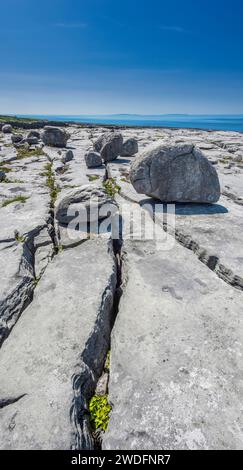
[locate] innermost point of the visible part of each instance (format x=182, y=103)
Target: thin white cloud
x=71, y=25
x=175, y=29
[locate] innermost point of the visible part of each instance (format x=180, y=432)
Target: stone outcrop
x=175, y=173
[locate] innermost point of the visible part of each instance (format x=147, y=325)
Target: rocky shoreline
x=171, y=318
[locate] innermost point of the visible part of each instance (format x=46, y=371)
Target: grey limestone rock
x=129, y=148
x=175, y=173
x=54, y=137
x=93, y=159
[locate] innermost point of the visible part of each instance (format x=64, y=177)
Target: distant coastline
x=187, y=121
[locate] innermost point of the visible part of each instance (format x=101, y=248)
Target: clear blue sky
x=121, y=56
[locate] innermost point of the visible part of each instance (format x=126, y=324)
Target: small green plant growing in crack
x=58, y=249
x=100, y=409
x=36, y=280
x=93, y=177
x=111, y=187
x=21, y=199
x=19, y=238
x=50, y=183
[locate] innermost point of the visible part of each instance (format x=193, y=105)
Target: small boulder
x=33, y=134
x=16, y=138
x=93, y=159
x=129, y=148
x=82, y=203
x=175, y=173
x=32, y=140
x=109, y=145
x=2, y=175
x=54, y=137
x=67, y=157
x=7, y=129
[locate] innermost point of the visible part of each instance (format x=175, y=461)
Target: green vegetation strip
x=111, y=187
x=21, y=199
x=51, y=183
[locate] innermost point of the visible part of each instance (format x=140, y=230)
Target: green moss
x=19, y=238
x=92, y=177
x=21, y=199
x=9, y=119
x=111, y=187
x=50, y=183
x=99, y=409
x=107, y=362
x=25, y=153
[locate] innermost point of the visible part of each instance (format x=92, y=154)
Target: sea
x=210, y=122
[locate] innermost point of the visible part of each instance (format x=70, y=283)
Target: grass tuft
x=21, y=199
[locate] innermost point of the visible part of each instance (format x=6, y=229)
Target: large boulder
x=82, y=202
x=7, y=129
x=175, y=173
x=129, y=148
x=54, y=137
x=93, y=159
x=109, y=145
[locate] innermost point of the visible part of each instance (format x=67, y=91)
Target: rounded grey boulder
x=129, y=148
x=54, y=137
x=82, y=203
x=175, y=173
x=7, y=129
x=16, y=138
x=109, y=145
x=93, y=159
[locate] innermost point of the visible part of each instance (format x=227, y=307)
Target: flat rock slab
x=176, y=355
x=214, y=231
x=56, y=340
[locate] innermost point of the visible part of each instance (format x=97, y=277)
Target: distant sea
x=214, y=122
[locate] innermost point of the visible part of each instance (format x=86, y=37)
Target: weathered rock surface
x=59, y=346
x=129, y=148
x=54, y=136
x=93, y=159
x=175, y=173
x=109, y=145
x=176, y=355
x=82, y=203
x=33, y=133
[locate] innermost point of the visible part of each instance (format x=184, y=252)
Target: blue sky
x=121, y=56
